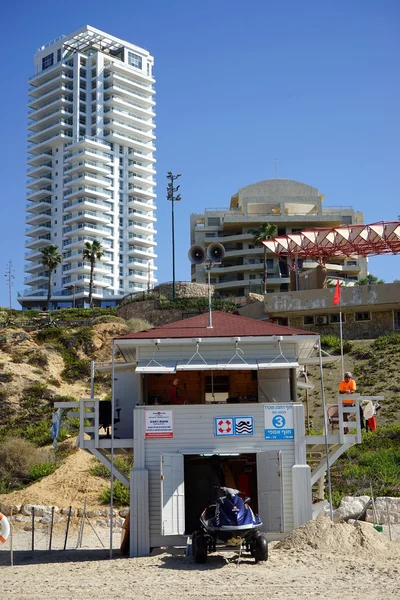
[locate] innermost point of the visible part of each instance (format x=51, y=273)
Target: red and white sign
x=159, y=424
x=223, y=426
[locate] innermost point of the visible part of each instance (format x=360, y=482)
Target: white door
x=270, y=499
x=172, y=495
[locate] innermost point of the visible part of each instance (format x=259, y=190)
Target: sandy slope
x=297, y=570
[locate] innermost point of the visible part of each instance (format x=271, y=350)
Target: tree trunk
x=91, y=283
x=265, y=270
x=49, y=289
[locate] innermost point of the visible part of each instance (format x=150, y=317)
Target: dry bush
x=17, y=456
x=137, y=325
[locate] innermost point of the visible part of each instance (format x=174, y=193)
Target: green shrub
x=50, y=334
x=332, y=343
x=135, y=325
x=75, y=367
x=385, y=342
x=41, y=470
x=108, y=319
x=122, y=464
x=39, y=433
x=53, y=381
x=6, y=377
x=121, y=496
x=38, y=359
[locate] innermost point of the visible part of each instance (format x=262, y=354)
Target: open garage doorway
x=204, y=473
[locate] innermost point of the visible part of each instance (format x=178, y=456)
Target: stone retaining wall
x=42, y=514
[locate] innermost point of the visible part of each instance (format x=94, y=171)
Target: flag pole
x=341, y=334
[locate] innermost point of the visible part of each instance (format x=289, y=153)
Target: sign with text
x=278, y=422
x=159, y=424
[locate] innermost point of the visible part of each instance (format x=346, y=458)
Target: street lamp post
x=172, y=198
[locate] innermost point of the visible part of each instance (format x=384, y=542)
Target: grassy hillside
x=42, y=362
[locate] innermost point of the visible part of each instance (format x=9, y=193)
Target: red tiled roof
x=224, y=325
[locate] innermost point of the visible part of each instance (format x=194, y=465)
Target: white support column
x=139, y=490
x=139, y=513
x=302, y=499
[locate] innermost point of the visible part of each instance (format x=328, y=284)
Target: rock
x=382, y=506
x=22, y=519
x=65, y=511
x=350, y=508
x=7, y=508
x=117, y=522
x=92, y=514
x=46, y=520
x=40, y=510
x=124, y=513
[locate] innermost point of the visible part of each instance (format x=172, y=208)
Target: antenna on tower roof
x=276, y=168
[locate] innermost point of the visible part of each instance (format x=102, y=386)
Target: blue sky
x=313, y=84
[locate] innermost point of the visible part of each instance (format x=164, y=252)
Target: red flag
x=336, y=296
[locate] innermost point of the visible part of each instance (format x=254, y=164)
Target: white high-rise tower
x=91, y=169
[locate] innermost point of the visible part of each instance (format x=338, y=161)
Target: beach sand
x=303, y=567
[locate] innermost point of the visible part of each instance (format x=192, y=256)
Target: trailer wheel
x=199, y=548
x=260, y=551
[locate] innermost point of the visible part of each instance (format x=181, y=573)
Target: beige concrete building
x=291, y=206
x=368, y=311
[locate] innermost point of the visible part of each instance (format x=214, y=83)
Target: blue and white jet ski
x=230, y=519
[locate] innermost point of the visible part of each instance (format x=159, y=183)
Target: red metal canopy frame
x=347, y=240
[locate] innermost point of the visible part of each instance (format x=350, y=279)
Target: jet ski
x=230, y=521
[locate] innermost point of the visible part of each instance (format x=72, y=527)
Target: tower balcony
x=39, y=205
x=52, y=95
x=39, y=242
x=141, y=240
x=37, y=218
x=39, y=194
x=125, y=103
x=143, y=138
x=63, y=101
x=39, y=278
x=95, y=230
x=137, y=178
x=83, y=203
x=37, y=137
x=39, y=182
x=41, y=158
x=40, y=170
x=87, y=152
x=85, y=164
x=89, y=216
x=86, y=177
x=90, y=190
x=51, y=139
x=141, y=251
x=49, y=118
x=141, y=204
x=114, y=88
x=38, y=230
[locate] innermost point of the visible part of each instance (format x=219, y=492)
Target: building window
x=362, y=316
x=270, y=263
x=210, y=235
x=308, y=320
x=47, y=61
x=347, y=220
x=134, y=60
x=214, y=221
x=336, y=318
x=59, y=51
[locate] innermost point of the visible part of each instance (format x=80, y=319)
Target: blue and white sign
x=224, y=426
x=278, y=422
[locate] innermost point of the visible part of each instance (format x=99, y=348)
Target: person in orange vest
x=347, y=386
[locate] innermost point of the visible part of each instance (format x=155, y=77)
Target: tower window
x=134, y=60
x=47, y=61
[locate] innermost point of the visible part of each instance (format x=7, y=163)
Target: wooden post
x=51, y=527
x=67, y=528
x=33, y=530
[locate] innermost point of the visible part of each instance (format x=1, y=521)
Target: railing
x=89, y=188
x=129, y=114
x=88, y=151
x=98, y=228
x=88, y=213
x=62, y=133
x=124, y=88
x=87, y=138
x=91, y=175
x=89, y=163
x=106, y=205
x=112, y=97
x=39, y=167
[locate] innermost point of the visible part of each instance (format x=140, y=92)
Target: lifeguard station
x=241, y=421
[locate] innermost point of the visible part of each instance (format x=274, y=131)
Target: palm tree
x=265, y=231
x=91, y=253
x=50, y=259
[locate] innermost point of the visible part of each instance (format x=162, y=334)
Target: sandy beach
x=332, y=562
